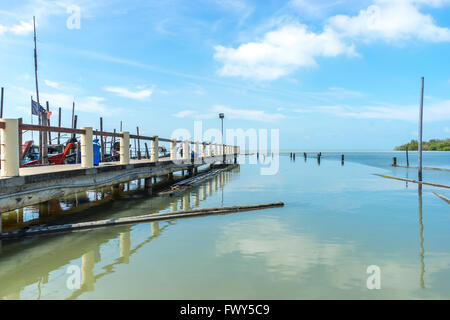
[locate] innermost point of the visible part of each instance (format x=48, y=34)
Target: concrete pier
x=29, y=185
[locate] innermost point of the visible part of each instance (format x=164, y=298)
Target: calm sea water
x=337, y=221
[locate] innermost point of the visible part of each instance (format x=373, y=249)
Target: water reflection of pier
x=31, y=262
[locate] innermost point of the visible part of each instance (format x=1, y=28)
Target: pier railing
x=11, y=146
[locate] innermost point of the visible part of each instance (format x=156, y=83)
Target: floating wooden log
x=413, y=181
x=138, y=219
x=425, y=168
x=442, y=197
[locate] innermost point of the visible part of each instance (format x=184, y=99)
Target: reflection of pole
x=204, y=192
x=125, y=245
x=420, y=130
x=422, y=250
x=173, y=206
x=155, y=229
x=87, y=271
x=186, y=201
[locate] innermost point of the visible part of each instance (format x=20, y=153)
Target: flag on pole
x=35, y=109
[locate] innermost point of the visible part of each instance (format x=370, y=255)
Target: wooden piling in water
x=407, y=158
x=394, y=161
x=342, y=159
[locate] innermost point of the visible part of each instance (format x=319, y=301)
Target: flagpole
x=43, y=151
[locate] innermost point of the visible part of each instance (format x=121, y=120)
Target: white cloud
x=52, y=84
x=90, y=104
x=185, y=113
x=390, y=20
x=23, y=28
x=292, y=45
x=435, y=111
x=230, y=113
x=280, y=52
x=3, y=29
x=126, y=93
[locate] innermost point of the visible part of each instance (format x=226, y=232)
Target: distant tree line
x=432, y=145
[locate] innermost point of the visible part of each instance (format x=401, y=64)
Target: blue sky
x=329, y=74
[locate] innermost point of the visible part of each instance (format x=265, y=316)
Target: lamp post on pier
x=221, y=116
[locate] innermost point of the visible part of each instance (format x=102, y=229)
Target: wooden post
x=102, y=145
x=74, y=121
x=342, y=159
x=147, y=154
x=420, y=130
x=78, y=153
x=1, y=104
x=45, y=141
x=394, y=161
x=139, y=144
x=113, y=143
x=407, y=158
x=48, y=123
x=59, y=125
x=21, y=156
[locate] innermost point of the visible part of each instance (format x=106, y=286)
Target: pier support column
x=203, y=150
x=173, y=150
x=9, y=145
x=196, y=152
x=154, y=149
x=125, y=148
x=148, y=186
x=87, y=148
x=186, y=153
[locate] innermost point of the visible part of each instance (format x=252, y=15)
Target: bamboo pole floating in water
x=442, y=197
x=138, y=219
x=424, y=168
x=413, y=181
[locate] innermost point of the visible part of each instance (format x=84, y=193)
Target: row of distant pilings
x=318, y=156
x=305, y=156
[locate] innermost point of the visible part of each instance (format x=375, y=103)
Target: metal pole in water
x=420, y=130
x=407, y=158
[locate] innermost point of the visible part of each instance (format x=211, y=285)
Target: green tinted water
x=337, y=221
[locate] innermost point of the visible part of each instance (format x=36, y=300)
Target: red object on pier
x=54, y=159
